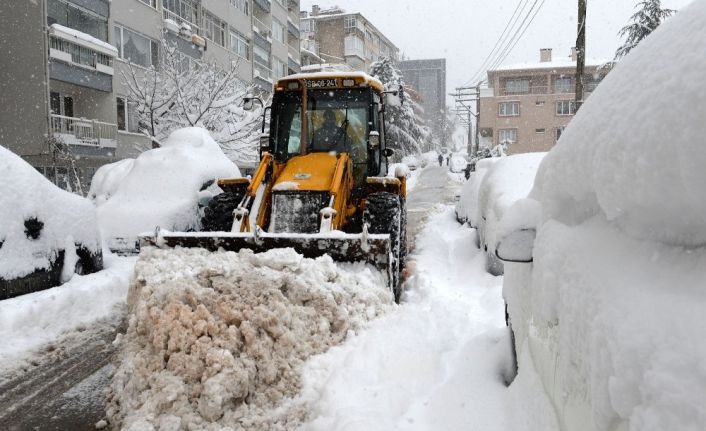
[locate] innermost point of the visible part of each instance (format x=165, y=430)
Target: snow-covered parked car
x=164, y=187
x=457, y=163
x=412, y=162
x=46, y=234
x=506, y=181
x=611, y=313
x=467, y=206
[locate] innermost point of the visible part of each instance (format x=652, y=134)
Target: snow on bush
x=26, y=194
x=613, y=308
x=217, y=340
x=161, y=186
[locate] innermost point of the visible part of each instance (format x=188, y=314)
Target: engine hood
x=312, y=172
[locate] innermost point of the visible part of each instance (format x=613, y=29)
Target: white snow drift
x=216, y=340
x=613, y=310
x=25, y=194
x=161, y=187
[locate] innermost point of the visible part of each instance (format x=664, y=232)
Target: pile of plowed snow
x=216, y=341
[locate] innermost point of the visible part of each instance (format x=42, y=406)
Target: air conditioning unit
x=198, y=40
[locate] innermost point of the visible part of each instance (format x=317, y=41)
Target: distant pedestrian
x=448, y=159
x=441, y=160
x=467, y=171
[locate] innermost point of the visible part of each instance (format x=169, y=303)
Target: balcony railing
x=82, y=131
x=264, y=5
x=263, y=72
x=79, y=54
x=167, y=14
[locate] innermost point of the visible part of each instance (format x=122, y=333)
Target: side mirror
x=264, y=143
x=388, y=152
x=517, y=246
x=373, y=141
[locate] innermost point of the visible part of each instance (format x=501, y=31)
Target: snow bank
x=29, y=321
x=26, y=194
x=434, y=363
x=644, y=166
x=216, y=340
x=161, y=187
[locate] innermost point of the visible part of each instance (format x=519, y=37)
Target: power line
x=518, y=35
x=511, y=22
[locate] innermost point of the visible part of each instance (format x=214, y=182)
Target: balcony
x=535, y=89
x=80, y=59
x=82, y=131
x=265, y=5
x=292, y=29
x=182, y=22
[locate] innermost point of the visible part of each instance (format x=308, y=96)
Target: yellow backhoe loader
x=322, y=185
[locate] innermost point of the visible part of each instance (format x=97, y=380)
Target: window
x=78, y=18
x=354, y=46
x=539, y=103
x=135, y=48
x=214, y=29
x=507, y=136
x=540, y=131
x=279, y=68
x=559, y=131
x=519, y=85
x=239, y=44
x=277, y=30
x=563, y=84
x=565, y=107
x=308, y=26
x=127, y=115
x=351, y=24
x=241, y=5
x=183, y=9
x=509, y=109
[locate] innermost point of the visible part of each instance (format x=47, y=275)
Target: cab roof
x=361, y=79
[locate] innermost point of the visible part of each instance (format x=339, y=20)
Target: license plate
x=321, y=83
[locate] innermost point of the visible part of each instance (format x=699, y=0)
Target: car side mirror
x=388, y=152
x=373, y=141
x=517, y=246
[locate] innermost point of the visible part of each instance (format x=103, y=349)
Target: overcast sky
x=465, y=31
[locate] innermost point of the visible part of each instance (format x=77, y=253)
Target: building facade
x=64, y=102
x=334, y=36
x=428, y=78
x=528, y=106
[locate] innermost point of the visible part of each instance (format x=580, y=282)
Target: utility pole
x=580, y=52
x=464, y=96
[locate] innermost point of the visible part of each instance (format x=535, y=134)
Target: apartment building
x=334, y=36
x=528, y=106
x=62, y=65
x=428, y=78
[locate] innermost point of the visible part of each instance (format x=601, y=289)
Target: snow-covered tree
x=648, y=17
x=406, y=131
x=183, y=92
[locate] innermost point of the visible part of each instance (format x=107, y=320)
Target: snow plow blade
x=350, y=248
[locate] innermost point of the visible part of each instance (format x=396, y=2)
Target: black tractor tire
x=218, y=215
x=383, y=215
x=88, y=261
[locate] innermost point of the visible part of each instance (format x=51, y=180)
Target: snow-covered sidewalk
x=438, y=361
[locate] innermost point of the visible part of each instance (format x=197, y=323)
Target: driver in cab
x=330, y=137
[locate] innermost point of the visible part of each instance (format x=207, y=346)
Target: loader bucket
x=366, y=248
